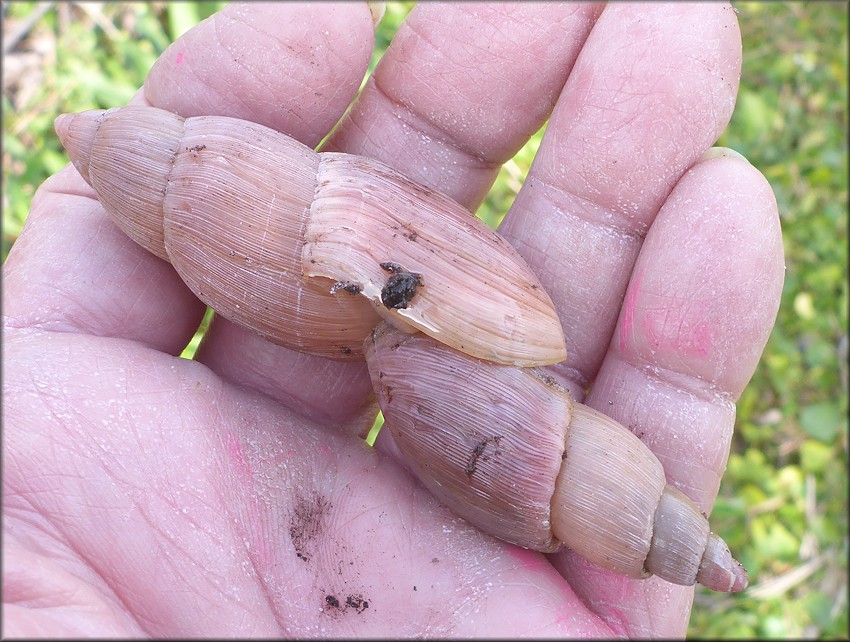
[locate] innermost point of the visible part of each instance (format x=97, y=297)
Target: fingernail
x=377, y=9
x=718, y=152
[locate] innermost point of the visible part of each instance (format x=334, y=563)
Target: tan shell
x=180, y=187
x=522, y=461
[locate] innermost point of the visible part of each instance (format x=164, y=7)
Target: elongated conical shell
x=127, y=159
x=509, y=450
x=306, y=249
x=234, y=217
x=679, y=537
x=226, y=202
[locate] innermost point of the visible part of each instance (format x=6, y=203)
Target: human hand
x=256, y=508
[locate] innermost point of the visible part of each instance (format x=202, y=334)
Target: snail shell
x=523, y=461
x=323, y=242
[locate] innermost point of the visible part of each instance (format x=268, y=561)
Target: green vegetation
x=783, y=503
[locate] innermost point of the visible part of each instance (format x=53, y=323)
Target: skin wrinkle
x=575, y=339
x=248, y=105
x=624, y=229
x=465, y=62
x=690, y=489
x=329, y=51
x=497, y=21
x=313, y=119
x=275, y=608
x=589, y=71
x=102, y=458
x=697, y=386
x=125, y=284
x=462, y=62
x=68, y=543
x=415, y=120
x=59, y=315
x=611, y=607
x=236, y=535
x=165, y=556
x=702, y=390
x=34, y=580
x=257, y=77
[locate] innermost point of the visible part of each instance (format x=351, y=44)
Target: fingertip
x=61, y=124
x=739, y=190
x=254, y=60
x=707, y=285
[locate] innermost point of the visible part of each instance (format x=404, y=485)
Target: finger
x=72, y=270
x=698, y=311
x=652, y=89
x=700, y=306
x=294, y=67
x=253, y=61
x=461, y=89
x=329, y=392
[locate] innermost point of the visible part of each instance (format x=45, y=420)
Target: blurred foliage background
x=783, y=503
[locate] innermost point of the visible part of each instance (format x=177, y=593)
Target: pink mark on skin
x=683, y=331
x=237, y=457
x=283, y=456
x=628, y=321
x=610, y=590
x=607, y=597
x=246, y=479
x=700, y=341
x=179, y=58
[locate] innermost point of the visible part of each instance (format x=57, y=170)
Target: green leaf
x=774, y=627
x=376, y=428
x=821, y=420
x=753, y=113
x=818, y=606
x=815, y=456
x=773, y=540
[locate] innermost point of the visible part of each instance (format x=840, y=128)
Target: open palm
x=150, y=495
